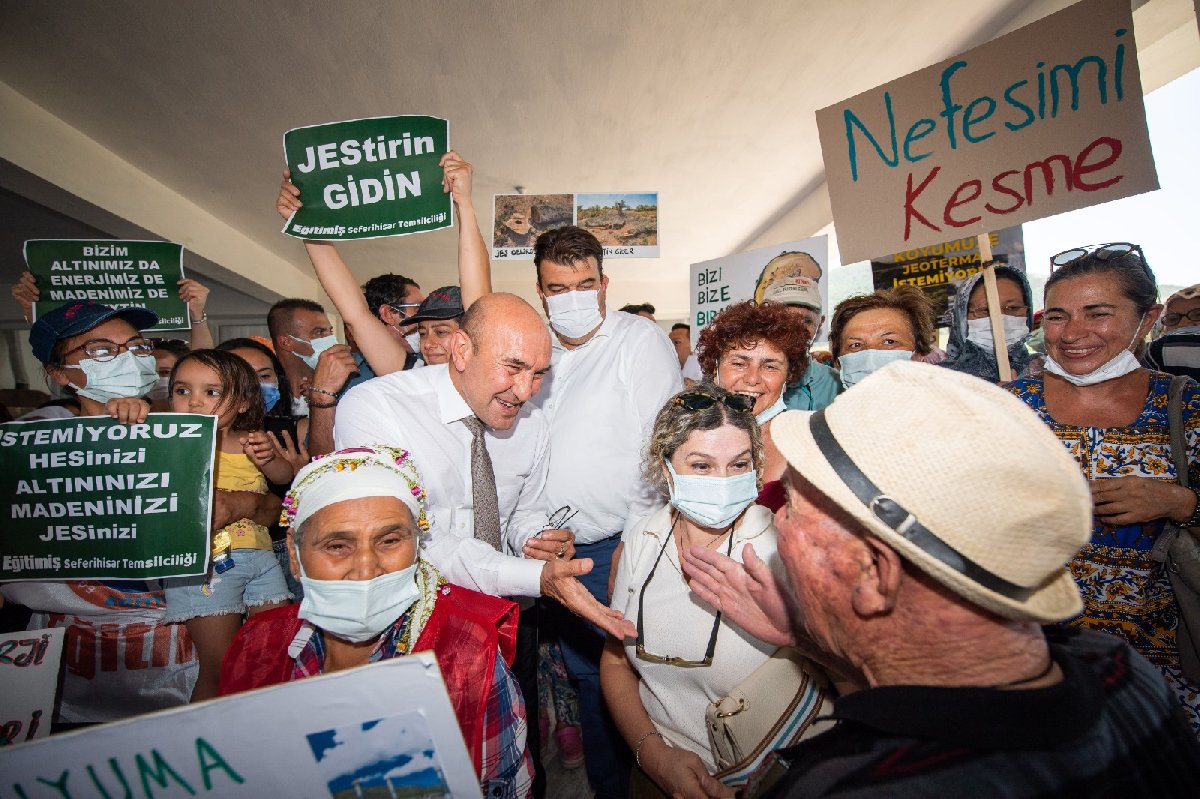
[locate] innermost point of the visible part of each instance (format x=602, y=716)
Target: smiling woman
x=756, y=351
x=1111, y=414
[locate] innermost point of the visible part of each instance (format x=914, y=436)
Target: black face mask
x=1177, y=352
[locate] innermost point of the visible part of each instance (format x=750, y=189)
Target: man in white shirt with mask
x=612, y=372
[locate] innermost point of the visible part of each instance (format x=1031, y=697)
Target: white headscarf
x=355, y=473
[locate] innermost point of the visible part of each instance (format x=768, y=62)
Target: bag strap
x=1178, y=454
x=1175, y=421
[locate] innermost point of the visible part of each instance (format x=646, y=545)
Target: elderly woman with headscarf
x=354, y=522
x=972, y=346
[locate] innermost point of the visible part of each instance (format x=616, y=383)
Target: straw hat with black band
x=959, y=477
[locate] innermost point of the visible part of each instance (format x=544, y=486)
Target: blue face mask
x=270, y=394
x=857, y=365
x=318, y=345
x=712, y=501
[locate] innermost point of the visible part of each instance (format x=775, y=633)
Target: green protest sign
x=91, y=498
x=368, y=178
x=122, y=274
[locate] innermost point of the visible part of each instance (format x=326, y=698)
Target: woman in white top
x=706, y=455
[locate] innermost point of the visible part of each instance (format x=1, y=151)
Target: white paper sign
x=387, y=729
x=721, y=282
x=29, y=664
x=1043, y=120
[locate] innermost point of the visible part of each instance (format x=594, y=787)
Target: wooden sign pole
x=994, y=311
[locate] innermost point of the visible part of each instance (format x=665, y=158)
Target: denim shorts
x=255, y=579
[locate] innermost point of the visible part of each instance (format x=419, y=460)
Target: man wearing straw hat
x=932, y=599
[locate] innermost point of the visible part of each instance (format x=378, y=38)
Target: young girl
x=245, y=577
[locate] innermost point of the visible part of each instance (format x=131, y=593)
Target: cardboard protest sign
x=386, y=729
x=369, y=178
x=626, y=224
x=750, y=275
x=1044, y=120
x=122, y=274
x=939, y=270
x=29, y=673
x=91, y=498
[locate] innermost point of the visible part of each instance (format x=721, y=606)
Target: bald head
x=492, y=311
x=498, y=357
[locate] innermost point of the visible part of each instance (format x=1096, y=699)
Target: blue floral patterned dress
x=1125, y=592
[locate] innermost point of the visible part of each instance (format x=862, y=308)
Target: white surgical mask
x=770, y=413
x=413, y=340
x=1119, y=365
x=574, y=314
x=979, y=331
x=159, y=392
x=126, y=375
x=857, y=365
x=712, y=501
x=358, y=610
x=318, y=345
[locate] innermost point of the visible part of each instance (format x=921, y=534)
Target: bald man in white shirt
x=612, y=372
x=498, y=360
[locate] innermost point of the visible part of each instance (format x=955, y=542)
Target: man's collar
x=451, y=404
x=605, y=329
x=983, y=718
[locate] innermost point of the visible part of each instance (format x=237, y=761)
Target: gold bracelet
x=637, y=749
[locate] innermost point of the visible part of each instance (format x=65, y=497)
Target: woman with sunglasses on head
x=1111, y=413
x=706, y=457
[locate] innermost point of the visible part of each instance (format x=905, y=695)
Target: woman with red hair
x=756, y=350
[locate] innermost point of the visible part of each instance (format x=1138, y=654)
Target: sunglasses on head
x=698, y=401
x=1101, y=252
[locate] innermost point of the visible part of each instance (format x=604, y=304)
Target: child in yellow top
x=246, y=577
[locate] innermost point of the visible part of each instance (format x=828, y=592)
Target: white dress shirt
x=601, y=400
x=420, y=410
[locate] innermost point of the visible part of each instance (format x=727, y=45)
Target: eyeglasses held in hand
x=699, y=401
x=1103, y=252
x=639, y=645
x=560, y=517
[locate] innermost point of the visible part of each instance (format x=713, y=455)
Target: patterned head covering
x=355, y=473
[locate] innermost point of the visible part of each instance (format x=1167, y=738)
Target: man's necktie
x=483, y=487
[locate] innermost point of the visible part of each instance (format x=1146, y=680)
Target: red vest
x=464, y=632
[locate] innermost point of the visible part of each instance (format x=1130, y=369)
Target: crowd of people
x=744, y=570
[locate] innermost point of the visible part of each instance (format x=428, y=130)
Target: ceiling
x=711, y=104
